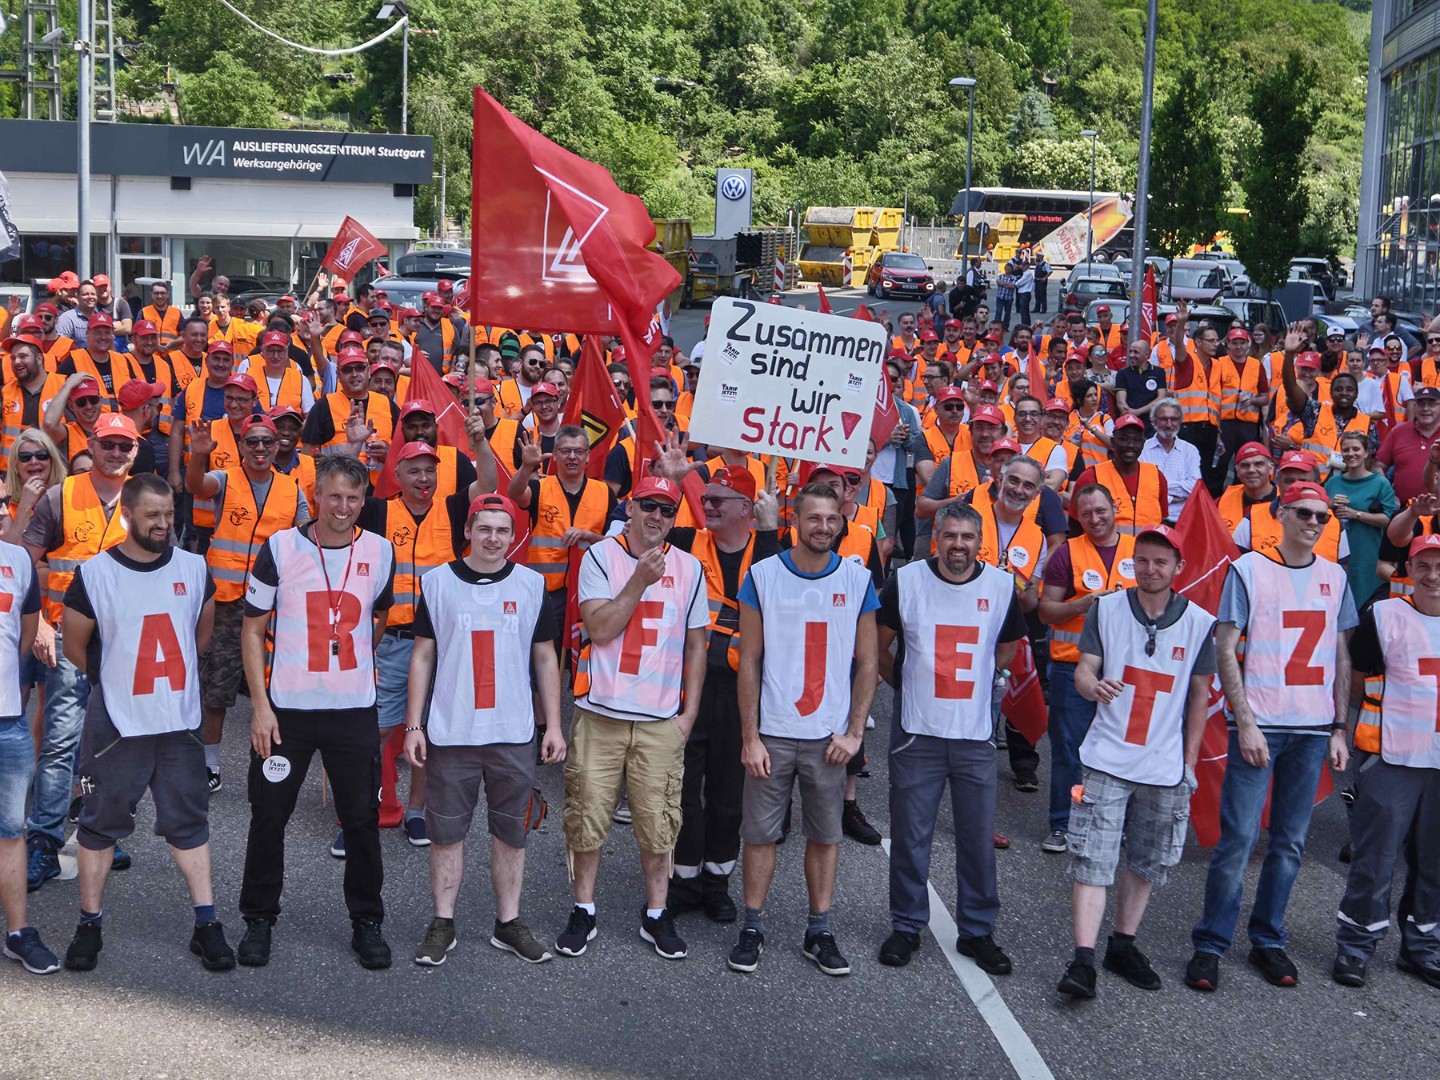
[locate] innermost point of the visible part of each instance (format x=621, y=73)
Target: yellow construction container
x=866, y=231
x=671, y=235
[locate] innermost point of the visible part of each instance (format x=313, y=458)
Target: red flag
x=1147, y=306
x=425, y=385
x=1024, y=701
x=555, y=244
x=352, y=248
x=825, y=308
x=1035, y=372
x=887, y=413
x=863, y=313
x=595, y=405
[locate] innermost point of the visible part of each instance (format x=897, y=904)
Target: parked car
x=1249, y=311
x=1319, y=300
x=1095, y=270
x=899, y=273
x=1195, y=280
x=407, y=291
x=1081, y=291
x=434, y=262
x=1316, y=270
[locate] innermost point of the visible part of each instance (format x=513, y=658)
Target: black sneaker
x=661, y=933
x=1027, y=783
x=719, y=908
x=579, y=932
x=121, y=859
x=898, y=948
x=74, y=812
x=822, y=949
x=1203, y=972
x=208, y=943
x=212, y=780
x=1348, y=970
x=745, y=956
x=254, y=948
x=854, y=825
x=1078, y=981
x=85, y=946
x=988, y=956
x=369, y=945
x=1275, y=966
x=1428, y=971
x=1131, y=965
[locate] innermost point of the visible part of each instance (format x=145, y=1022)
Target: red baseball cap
x=1297, y=459
x=810, y=468
x=347, y=337
x=409, y=313
x=430, y=298
x=956, y=323
x=929, y=335
x=993, y=338
x=1128, y=420
x=101, y=281
x=349, y=357
x=46, y=308
x=445, y=285
x=417, y=405
x=1251, y=450
x=111, y=424
x=281, y=411
x=1164, y=533
x=1009, y=445
x=545, y=389
x=986, y=384
x=987, y=414
x=735, y=477
x=85, y=388
x=99, y=319
x=1057, y=405
x=220, y=345
x=387, y=365
x=144, y=328
x=949, y=393
x=1426, y=542
x=257, y=420
x=244, y=382
x=1302, y=490
x=136, y=392
x=274, y=337
x=657, y=487
x=495, y=501
x=22, y=339
x=1310, y=361
x=1103, y=309
x=1172, y=317
x=66, y=280
x=287, y=296
x=416, y=449
x=1238, y=333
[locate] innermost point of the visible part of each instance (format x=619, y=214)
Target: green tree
x=1284, y=109
x=227, y=93
x=1187, y=177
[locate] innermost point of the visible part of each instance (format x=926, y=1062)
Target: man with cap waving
x=1244, y=388
x=99, y=360
x=1283, y=701
x=325, y=425
x=251, y=503
x=1397, y=783
x=76, y=520
x=1140, y=490
x=482, y=631
x=80, y=394
x=278, y=378
x=1262, y=530
x=1146, y=658
x=637, y=693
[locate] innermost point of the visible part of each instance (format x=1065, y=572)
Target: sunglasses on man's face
x=1320, y=517
x=651, y=506
x=116, y=446
x=263, y=442
x=661, y=404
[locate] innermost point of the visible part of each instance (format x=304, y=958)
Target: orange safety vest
x=242, y=529
x=1165, y=354
x=1265, y=534
x=1140, y=512
x=14, y=406
x=167, y=375
x=120, y=373
x=292, y=382
x=1092, y=450
x=507, y=393
x=447, y=343
x=493, y=335
x=1200, y=400
x=304, y=473
x=940, y=449
x=1022, y=555
x=1088, y=575
x=419, y=548
x=1112, y=338
x=966, y=477
x=377, y=411
x=85, y=531
x=1234, y=382
x=57, y=351
x=705, y=550
x=1233, y=508
x=167, y=323
x=226, y=455
x=547, y=554
x=502, y=441
x=854, y=542
x=1429, y=371
x=1325, y=439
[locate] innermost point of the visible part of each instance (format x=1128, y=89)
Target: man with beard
x=1139, y=489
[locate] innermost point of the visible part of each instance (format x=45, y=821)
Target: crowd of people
x=193, y=516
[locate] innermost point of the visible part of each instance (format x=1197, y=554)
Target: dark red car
x=898, y=273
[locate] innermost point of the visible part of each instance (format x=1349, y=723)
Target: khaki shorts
x=649, y=755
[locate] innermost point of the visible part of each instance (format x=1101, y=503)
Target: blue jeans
x=1070, y=719
x=919, y=767
x=66, y=694
x=392, y=679
x=1003, y=305
x=1295, y=761
x=17, y=765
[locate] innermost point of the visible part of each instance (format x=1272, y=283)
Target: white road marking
x=1024, y=1058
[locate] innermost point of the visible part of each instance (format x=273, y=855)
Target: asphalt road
x=149, y=1010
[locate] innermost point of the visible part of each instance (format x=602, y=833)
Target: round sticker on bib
x=1092, y=580
x=275, y=769
x=1127, y=568
x=1019, y=557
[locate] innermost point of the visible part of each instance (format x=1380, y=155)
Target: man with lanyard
x=1296, y=613
x=807, y=678
x=740, y=530
x=1397, y=783
x=76, y=520
x=1050, y=455
x=1139, y=489
x=278, y=377
x=19, y=619
x=137, y=616
x=637, y=693
x=323, y=591
x=1177, y=460
x=99, y=360
x=1146, y=658
x=955, y=621
x=30, y=393
x=482, y=728
x=325, y=424
x=1255, y=471
x=1262, y=530
x=1100, y=561
x=251, y=503
x=958, y=473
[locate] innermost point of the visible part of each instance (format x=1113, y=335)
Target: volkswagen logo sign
x=734, y=187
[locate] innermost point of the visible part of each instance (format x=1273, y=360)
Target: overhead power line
x=397, y=25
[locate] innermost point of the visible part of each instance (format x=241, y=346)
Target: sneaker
x=439, y=940
x=44, y=864
x=854, y=825
x=898, y=948
x=719, y=908
x=661, y=933
x=1275, y=966
x=212, y=780
x=25, y=945
x=1131, y=965
x=988, y=956
x=869, y=723
x=745, y=956
x=369, y=945
x=622, y=811
x=1348, y=970
x=1078, y=981
x=85, y=946
x=515, y=937
x=1428, y=971
x=1344, y=855
x=579, y=932
x=1203, y=972
x=822, y=949
x=254, y=948
x=415, y=832
x=684, y=895
x=1001, y=841
x=121, y=859
x=338, y=847
x=208, y=943
x=1029, y=783
x=1057, y=843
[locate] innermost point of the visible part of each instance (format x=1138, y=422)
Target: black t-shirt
x=1141, y=387
x=767, y=543
x=1365, y=653
x=547, y=628
x=319, y=426
x=148, y=370
x=373, y=517
x=67, y=367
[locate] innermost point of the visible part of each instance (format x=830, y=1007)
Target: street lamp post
x=389, y=11
x=969, y=85
x=1090, y=217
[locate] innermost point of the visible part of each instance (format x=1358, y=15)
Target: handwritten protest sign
x=779, y=380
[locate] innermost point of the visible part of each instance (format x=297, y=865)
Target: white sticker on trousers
x=275, y=769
